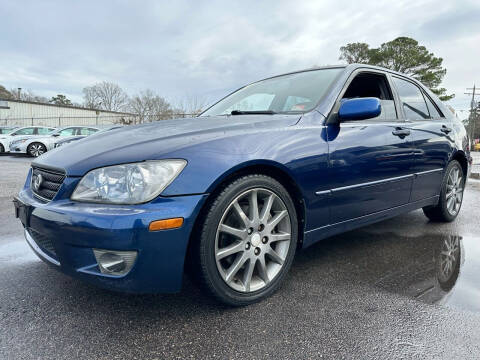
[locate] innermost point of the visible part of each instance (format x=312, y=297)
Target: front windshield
x=293, y=93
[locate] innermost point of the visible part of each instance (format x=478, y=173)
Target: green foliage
x=60, y=100
x=404, y=55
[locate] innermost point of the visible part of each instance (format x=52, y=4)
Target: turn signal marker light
x=165, y=224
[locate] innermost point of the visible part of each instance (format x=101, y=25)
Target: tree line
x=146, y=105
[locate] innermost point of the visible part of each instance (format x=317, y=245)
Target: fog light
x=114, y=262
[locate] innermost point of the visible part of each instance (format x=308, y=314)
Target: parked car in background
x=24, y=133
x=273, y=167
x=39, y=145
x=69, y=140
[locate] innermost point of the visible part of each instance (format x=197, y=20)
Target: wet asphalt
x=380, y=292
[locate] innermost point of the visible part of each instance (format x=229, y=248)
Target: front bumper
x=18, y=148
x=72, y=230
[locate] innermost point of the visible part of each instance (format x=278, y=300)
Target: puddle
x=16, y=251
x=441, y=269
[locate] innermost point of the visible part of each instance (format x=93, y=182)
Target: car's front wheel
x=36, y=149
x=451, y=195
x=248, y=240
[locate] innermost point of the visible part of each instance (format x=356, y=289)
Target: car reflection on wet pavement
x=437, y=271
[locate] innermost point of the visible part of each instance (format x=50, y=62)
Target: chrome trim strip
x=323, y=192
x=376, y=182
x=428, y=171
x=370, y=183
x=39, y=251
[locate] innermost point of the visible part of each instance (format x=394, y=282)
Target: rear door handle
x=445, y=129
x=401, y=132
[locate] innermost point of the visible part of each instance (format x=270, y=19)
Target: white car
x=39, y=145
x=23, y=133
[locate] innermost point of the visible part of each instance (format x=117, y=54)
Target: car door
x=430, y=138
x=369, y=160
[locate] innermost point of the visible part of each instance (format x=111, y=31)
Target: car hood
x=154, y=140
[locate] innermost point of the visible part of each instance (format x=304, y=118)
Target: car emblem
x=37, y=182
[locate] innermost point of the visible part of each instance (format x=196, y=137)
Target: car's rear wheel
x=248, y=240
x=451, y=195
x=2, y=149
x=36, y=149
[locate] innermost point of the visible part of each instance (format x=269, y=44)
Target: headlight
x=129, y=183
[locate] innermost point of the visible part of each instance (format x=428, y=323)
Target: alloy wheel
x=37, y=150
x=454, y=193
x=252, y=240
x=449, y=256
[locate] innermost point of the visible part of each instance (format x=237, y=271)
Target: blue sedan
x=232, y=194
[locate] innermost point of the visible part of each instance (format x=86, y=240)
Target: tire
x=36, y=149
x=443, y=211
x=2, y=149
x=242, y=259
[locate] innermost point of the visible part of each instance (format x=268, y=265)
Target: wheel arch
x=461, y=157
x=269, y=168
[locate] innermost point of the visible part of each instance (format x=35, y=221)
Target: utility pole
x=473, y=110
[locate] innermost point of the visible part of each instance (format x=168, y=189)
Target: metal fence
x=89, y=120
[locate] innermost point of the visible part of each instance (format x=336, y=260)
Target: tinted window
x=434, y=113
x=26, y=131
x=43, y=131
x=412, y=100
x=87, y=131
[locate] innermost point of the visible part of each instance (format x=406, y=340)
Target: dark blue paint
x=359, y=109
x=338, y=169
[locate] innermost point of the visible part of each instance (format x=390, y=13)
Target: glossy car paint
x=342, y=175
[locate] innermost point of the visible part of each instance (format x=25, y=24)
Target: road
x=369, y=293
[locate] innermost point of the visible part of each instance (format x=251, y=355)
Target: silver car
x=25, y=132
x=39, y=145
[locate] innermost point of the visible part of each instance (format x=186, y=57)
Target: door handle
x=401, y=132
x=445, y=129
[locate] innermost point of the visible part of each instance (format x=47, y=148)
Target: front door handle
x=445, y=129
x=401, y=132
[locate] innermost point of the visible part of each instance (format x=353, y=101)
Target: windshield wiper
x=253, y=112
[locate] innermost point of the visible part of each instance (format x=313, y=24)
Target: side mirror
x=359, y=109
x=55, y=135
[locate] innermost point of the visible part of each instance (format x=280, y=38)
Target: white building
x=25, y=113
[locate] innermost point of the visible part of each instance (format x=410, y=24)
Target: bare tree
x=106, y=96
x=27, y=95
x=191, y=105
x=149, y=106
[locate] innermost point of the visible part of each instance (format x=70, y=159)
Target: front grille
x=42, y=241
x=46, y=183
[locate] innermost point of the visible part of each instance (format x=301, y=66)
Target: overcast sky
x=206, y=48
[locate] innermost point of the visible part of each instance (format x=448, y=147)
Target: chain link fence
x=89, y=120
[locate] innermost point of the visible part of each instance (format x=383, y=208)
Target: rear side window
x=412, y=99
x=43, y=131
x=68, y=132
x=434, y=113
x=87, y=131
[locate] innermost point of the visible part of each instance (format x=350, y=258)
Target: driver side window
x=373, y=85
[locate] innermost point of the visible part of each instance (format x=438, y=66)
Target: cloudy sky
x=206, y=48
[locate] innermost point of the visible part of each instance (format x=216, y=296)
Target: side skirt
x=314, y=235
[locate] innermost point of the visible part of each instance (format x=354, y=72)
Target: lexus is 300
x=233, y=193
